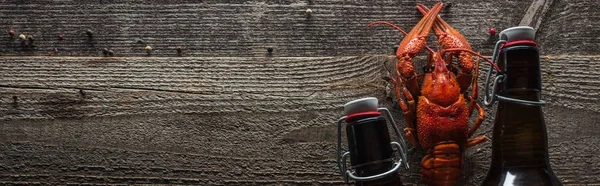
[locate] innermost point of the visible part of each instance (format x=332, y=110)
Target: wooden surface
x=535, y=13
x=228, y=114
x=570, y=27
x=227, y=28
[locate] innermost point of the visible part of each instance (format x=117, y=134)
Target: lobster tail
x=442, y=164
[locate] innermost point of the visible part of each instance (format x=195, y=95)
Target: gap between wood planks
x=535, y=13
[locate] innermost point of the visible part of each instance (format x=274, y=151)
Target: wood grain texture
x=200, y=121
x=572, y=81
x=237, y=28
x=234, y=121
x=228, y=114
x=570, y=27
x=535, y=13
x=77, y=86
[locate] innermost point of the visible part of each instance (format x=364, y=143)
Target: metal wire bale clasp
x=490, y=98
x=401, y=147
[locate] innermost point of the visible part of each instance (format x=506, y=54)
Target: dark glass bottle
x=372, y=158
x=519, y=143
x=370, y=150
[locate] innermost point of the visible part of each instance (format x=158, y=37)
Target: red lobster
x=443, y=107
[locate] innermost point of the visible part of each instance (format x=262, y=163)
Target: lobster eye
x=428, y=68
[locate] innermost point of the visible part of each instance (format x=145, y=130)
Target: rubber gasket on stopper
x=519, y=42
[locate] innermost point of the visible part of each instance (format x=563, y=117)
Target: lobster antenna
x=472, y=52
x=387, y=23
x=396, y=27
x=430, y=50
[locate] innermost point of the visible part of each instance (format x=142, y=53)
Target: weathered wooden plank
x=572, y=81
x=223, y=121
x=535, y=13
x=571, y=27
x=86, y=158
x=237, y=28
x=248, y=120
x=82, y=87
x=47, y=87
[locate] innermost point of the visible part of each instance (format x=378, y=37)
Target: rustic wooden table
x=227, y=112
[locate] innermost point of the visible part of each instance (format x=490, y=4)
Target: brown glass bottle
x=371, y=153
x=373, y=161
x=519, y=143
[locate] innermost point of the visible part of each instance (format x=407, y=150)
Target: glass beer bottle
x=372, y=158
x=519, y=143
x=370, y=150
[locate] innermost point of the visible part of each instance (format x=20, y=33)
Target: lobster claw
x=448, y=37
x=446, y=34
x=415, y=41
x=412, y=45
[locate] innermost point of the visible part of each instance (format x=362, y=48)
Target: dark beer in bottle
x=372, y=160
x=519, y=143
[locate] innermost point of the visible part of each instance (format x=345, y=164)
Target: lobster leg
x=478, y=121
x=473, y=104
x=407, y=110
x=475, y=141
x=474, y=88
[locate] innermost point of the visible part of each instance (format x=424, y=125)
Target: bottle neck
x=521, y=71
x=519, y=138
x=370, y=149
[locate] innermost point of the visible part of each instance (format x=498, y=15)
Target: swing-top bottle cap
x=361, y=105
x=517, y=33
